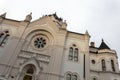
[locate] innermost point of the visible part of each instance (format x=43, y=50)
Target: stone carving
x=3, y=15
x=40, y=57
x=28, y=17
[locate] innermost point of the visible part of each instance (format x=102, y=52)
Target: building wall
x=23, y=49
x=48, y=63
x=96, y=68
x=71, y=66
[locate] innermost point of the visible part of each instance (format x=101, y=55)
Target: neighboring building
x=103, y=63
x=45, y=50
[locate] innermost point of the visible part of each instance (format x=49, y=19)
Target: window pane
x=30, y=70
x=112, y=65
x=70, y=53
x=76, y=54
x=103, y=65
x=74, y=77
x=68, y=77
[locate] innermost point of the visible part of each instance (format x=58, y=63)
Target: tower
x=103, y=62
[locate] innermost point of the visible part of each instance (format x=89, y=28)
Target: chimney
x=92, y=44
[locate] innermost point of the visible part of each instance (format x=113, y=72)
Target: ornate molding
x=38, y=56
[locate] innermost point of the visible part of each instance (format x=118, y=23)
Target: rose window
x=40, y=42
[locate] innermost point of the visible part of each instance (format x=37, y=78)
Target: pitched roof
x=103, y=45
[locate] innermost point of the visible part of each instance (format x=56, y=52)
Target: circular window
x=40, y=42
x=93, y=61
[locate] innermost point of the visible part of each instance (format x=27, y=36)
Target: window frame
x=103, y=63
x=73, y=54
x=112, y=65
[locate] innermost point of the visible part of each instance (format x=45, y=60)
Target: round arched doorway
x=29, y=71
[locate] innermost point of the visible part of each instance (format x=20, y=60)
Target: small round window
x=93, y=61
x=40, y=42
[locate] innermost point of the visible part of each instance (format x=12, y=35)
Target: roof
x=103, y=45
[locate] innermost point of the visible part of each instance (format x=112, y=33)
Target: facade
x=45, y=50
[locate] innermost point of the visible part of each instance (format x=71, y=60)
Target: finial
x=64, y=24
x=55, y=13
x=3, y=15
x=102, y=40
x=28, y=17
x=87, y=32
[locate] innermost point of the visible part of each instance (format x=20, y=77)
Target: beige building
x=103, y=63
x=45, y=50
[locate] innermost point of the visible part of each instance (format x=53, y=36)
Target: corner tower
x=103, y=62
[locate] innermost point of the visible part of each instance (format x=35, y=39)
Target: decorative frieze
x=38, y=56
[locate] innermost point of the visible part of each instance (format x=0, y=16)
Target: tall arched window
x=112, y=65
x=68, y=77
x=74, y=77
x=76, y=54
x=70, y=53
x=103, y=65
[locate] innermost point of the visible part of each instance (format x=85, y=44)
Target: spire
x=102, y=40
x=87, y=33
x=103, y=45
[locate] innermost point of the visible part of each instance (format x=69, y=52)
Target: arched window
x=112, y=65
x=73, y=53
x=74, y=77
x=94, y=79
x=29, y=73
x=93, y=61
x=68, y=77
x=70, y=53
x=30, y=70
x=103, y=65
x=3, y=37
x=76, y=54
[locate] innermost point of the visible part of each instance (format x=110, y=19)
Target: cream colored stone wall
x=96, y=69
x=50, y=62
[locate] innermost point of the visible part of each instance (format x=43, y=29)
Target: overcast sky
x=100, y=17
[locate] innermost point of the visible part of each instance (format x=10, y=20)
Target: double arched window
x=73, y=54
x=71, y=77
x=103, y=65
